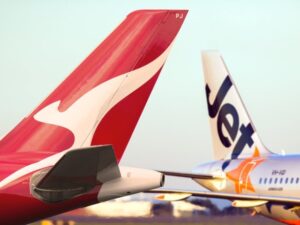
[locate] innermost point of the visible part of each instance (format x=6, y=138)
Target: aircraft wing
x=188, y=175
x=239, y=199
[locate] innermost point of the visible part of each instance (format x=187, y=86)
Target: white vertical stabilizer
x=233, y=133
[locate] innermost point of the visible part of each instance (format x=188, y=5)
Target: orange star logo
x=241, y=175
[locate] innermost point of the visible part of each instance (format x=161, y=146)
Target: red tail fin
x=102, y=100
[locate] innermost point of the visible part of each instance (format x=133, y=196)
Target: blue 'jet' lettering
x=223, y=111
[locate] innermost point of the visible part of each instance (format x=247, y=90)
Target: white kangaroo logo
x=84, y=115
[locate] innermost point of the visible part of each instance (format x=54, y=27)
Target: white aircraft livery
x=244, y=170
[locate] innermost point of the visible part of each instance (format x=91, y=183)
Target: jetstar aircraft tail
x=251, y=177
x=233, y=133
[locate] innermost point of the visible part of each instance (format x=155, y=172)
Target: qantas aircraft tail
x=103, y=98
x=233, y=133
x=67, y=151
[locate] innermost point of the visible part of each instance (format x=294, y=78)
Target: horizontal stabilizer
x=77, y=172
x=189, y=175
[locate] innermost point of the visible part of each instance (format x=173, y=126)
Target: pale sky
x=41, y=42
